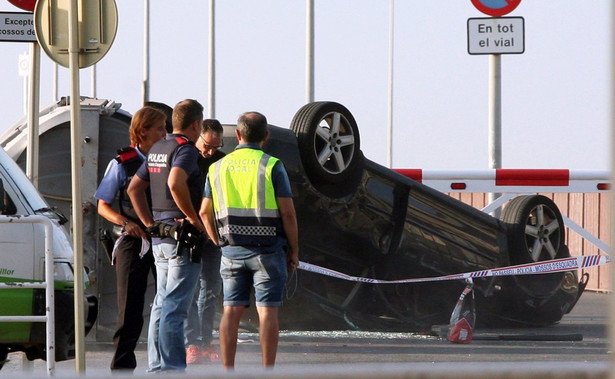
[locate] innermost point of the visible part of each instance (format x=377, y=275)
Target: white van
x=104, y=129
x=22, y=250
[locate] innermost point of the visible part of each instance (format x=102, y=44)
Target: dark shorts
x=265, y=272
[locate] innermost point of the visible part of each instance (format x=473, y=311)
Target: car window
x=381, y=190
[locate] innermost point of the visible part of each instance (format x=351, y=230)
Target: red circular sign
x=27, y=5
x=496, y=8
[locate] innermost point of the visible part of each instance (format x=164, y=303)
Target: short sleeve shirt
x=113, y=181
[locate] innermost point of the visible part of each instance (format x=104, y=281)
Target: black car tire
x=536, y=229
x=328, y=139
x=539, y=299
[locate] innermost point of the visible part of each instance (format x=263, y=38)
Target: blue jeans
x=200, y=321
x=176, y=279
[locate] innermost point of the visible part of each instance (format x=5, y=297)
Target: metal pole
x=211, y=111
x=77, y=215
x=495, y=119
x=33, y=105
x=55, y=82
x=25, y=94
x=93, y=81
x=49, y=295
x=145, y=88
x=390, y=105
x=309, y=54
x=26, y=81
x=612, y=197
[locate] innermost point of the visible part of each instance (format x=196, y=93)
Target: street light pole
x=390, y=105
x=212, y=59
x=145, y=89
x=309, y=53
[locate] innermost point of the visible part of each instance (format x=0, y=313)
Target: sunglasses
x=209, y=147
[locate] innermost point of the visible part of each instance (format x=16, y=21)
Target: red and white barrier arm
x=512, y=180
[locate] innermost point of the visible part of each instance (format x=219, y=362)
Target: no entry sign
x=27, y=5
x=496, y=8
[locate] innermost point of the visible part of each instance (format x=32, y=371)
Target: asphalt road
x=577, y=347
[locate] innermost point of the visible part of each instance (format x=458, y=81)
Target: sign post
x=495, y=36
x=76, y=36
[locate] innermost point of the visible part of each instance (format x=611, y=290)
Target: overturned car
x=355, y=217
x=364, y=220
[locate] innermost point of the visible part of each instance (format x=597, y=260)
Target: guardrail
x=48, y=285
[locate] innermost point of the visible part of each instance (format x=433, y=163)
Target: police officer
x=248, y=209
x=132, y=269
x=172, y=173
x=164, y=108
x=200, y=321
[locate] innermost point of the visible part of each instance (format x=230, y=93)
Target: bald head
x=252, y=127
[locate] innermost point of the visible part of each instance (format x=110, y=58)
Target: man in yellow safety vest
x=248, y=209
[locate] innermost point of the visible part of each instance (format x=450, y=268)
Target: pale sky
x=555, y=96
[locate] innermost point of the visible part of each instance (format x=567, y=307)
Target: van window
x=7, y=206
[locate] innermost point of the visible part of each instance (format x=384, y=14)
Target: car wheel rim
x=542, y=231
x=334, y=143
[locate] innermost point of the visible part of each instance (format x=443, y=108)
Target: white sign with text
x=17, y=27
x=496, y=35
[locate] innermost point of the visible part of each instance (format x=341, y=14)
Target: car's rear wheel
x=328, y=139
x=536, y=234
x=536, y=229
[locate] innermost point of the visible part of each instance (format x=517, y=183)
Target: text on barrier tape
x=546, y=267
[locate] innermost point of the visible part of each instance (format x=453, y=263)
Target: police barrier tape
x=546, y=267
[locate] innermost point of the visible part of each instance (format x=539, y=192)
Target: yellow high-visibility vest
x=244, y=198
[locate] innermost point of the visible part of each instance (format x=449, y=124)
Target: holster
x=107, y=243
x=161, y=230
x=191, y=239
x=187, y=236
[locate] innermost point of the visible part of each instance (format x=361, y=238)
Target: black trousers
x=131, y=280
